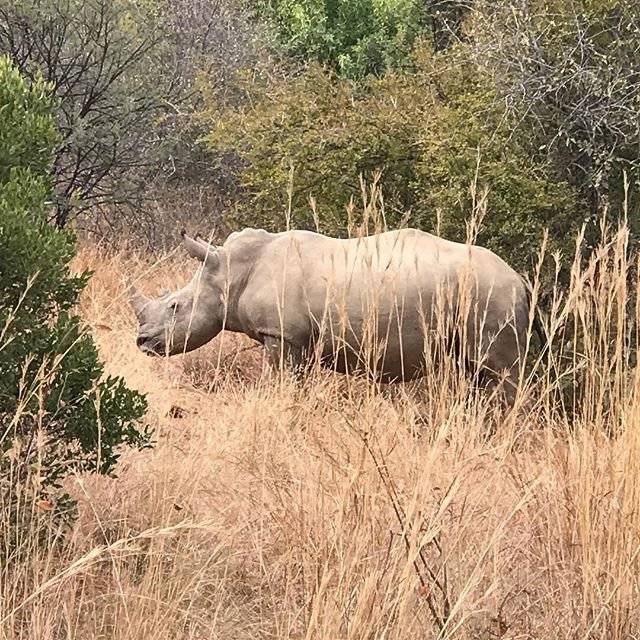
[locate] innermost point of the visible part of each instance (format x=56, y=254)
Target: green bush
x=433, y=133
x=354, y=37
x=57, y=412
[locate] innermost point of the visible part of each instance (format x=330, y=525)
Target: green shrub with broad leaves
x=58, y=413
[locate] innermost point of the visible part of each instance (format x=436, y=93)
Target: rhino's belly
x=386, y=355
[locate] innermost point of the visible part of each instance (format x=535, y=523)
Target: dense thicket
x=568, y=74
x=522, y=112
x=438, y=135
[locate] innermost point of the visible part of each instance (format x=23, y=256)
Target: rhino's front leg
x=282, y=354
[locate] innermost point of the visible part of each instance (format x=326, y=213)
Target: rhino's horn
x=200, y=249
x=137, y=300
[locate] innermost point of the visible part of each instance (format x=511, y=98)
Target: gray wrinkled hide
x=384, y=303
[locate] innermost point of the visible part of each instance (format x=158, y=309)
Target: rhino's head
x=188, y=318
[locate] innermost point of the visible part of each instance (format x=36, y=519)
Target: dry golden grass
x=338, y=510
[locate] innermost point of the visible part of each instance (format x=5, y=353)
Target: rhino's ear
x=201, y=250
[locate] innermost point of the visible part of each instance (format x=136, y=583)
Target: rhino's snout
x=147, y=345
x=141, y=340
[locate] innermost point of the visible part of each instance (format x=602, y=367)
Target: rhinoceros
x=378, y=303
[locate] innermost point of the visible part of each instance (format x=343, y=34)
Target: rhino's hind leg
x=282, y=355
x=501, y=363
x=502, y=384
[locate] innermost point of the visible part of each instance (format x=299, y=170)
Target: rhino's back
x=391, y=265
x=405, y=249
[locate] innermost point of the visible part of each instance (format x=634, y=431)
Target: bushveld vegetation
x=339, y=509
x=335, y=507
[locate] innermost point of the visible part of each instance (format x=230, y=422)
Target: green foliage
x=354, y=37
x=28, y=107
x=474, y=162
x=313, y=126
x=434, y=134
x=57, y=412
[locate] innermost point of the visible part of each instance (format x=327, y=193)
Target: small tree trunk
x=63, y=212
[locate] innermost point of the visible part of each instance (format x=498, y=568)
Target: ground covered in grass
x=334, y=509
